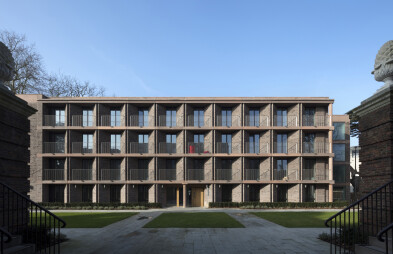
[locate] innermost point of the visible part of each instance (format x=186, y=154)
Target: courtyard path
x=258, y=236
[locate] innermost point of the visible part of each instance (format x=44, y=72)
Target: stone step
x=369, y=249
x=20, y=249
x=16, y=240
x=373, y=241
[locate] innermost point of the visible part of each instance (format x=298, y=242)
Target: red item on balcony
x=192, y=149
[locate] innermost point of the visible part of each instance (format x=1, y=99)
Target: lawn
x=90, y=220
x=298, y=219
x=194, y=220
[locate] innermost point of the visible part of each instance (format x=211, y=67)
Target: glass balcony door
x=309, y=139
x=87, y=144
x=170, y=118
x=226, y=115
x=87, y=117
x=143, y=142
x=199, y=117
x=254, y=117
x=115, y=143
x=226, y=140
x=282, y=143
x=199, y=140
x=282, y=117
x=309, y=115
x=143, y=117
x=282, y=169
x=254, y=143
x=115, y=117
x=59, y=117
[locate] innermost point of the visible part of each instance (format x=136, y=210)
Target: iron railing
x=22, y=216
x=141, y=121
x=283, y=147
x=53, y=120
x=53, y=174
x=196, y=174
x=314, y=174
x=138, y=174
x=315, y=147
x=383, y=236
x=54, y=147
x=228, y=147
x=108, y=120
x=285, y=175
x=165, y=121
x=198, y=148
x=84, y=121
x=80, y=147
x=81, y=174
x=167, y=147
x=204, y=121
x=4, y=233
x=228, y=121
x=286, y=121
x=110, y=174
x=252, y=147
x=108, y=147
x=366, y=217
x=252, y=174
x=315, y=120
x=136, y=147
x=253, y=121
x=168, y=174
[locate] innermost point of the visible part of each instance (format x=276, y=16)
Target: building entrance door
x=197, y=197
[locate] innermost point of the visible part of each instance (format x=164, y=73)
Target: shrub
x=99, y=206
x=267, y=205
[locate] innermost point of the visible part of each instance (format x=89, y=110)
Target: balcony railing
x=82, y=174
x=136, y=147
x=288, y=121
x=54, y=147
x=233, y=121
x=80, y=147
x=228, y=148
x=280, y=174
x=167, y=147
x=84, y=121
x=314, y=174
x=165, y=121
x=285, y=147
x=251, y=147
x=167, y=174
x=53, y=120
x=251, y=174
x=261, y=121
x=199, y=121
x=53, y=174
x=138, y=174
x=106, y=147
x=227, y=174
x=110, y=174
x=198, y=148
x=108, y=120
x=141, y=121
x=195, y=174
x=315, y=147
x=323, y=120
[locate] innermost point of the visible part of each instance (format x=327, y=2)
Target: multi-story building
x=182, y=151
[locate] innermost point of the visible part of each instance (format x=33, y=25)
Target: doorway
x=197, y=197
x=174, y=196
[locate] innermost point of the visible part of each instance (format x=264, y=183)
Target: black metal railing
x=6, y=234
x=22, y=216
x=384, y=236
x=363, y=218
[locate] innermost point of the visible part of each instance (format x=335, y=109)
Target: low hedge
x=258, y=205
x=100, y=206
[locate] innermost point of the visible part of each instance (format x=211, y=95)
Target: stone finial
x=383, y=67
x=7, y=64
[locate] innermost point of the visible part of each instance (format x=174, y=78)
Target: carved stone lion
x=383, y=67
x=6, y=63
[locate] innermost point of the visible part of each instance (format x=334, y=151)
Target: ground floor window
x=87, y=193
x=114, y=193
x=143, y=193
x=309, y=193
x=56, y=193
x=339, y=194
x=282, y=193
x=253, y=195
x=226, y=193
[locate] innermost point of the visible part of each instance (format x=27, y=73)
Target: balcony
x=251, y=174
x=165, y=121
x=53, y=174
x=110, y=174
x=141, y=121
x=167, y=174
x=108, y=120
x=81, y=174
x=53, y=120
x=54, y=147
x=323, y=120
x=251, y=147
x=108, y=147
x=286, y=121
x=283, y=175
x=167, y=147
x=315, y=147
x=194, y=121
x=313, y=174
x=141, y=148
x=80, y=147
x=84, y=121
x=285, y=148
x=138, y=174
x=198, y=148
x=225, y=174
x=195, y=174
x=252, y=121
x=228, y=148
x=225, y=121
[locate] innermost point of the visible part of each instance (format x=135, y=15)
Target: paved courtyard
x=258, y=236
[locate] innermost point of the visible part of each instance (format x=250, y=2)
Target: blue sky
x=211, y=48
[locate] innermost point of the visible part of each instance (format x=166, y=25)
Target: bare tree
x=29, y=70
x=31, y=77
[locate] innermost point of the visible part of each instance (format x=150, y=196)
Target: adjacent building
x=186, y=151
